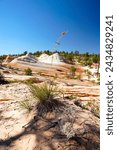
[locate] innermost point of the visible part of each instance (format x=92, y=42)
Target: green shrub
x=28, y=72
x=72, y=72
x=46, y=96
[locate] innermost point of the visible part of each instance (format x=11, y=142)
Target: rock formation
x=52, y=59
x=44, y=58
x=27, y=58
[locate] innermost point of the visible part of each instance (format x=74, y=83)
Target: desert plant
x=73, y=69
x=28, y=72
x=46, y=96
x=72, y=72
x=26, y=105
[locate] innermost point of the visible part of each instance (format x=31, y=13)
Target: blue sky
x=31, y=25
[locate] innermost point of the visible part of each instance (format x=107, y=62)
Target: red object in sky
x=63, y=33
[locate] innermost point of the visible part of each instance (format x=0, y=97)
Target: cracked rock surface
x=70, y=128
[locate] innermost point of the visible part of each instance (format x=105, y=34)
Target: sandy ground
x=13, y=118
x=21, y=130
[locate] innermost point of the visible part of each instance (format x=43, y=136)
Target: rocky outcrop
x=27, y=58
x=44, y=58
x=52, y=59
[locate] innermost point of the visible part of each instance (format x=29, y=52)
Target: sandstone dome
x=52, y=59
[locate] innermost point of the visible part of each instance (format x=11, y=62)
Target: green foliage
x=69, y=57
x=26, y=105
x=96, y=58
x=38, y=53
x=44, y=92
x=72, y=71
x=87, y=59
x=46, y=96
x=25, y=52
x=28, y=72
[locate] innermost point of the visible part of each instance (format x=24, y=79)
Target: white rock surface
x=52, y=59
x=44, y=58
x=27, y=58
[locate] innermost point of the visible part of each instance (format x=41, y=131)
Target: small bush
x=28, y=72
x=46, y=96
x=72, y=70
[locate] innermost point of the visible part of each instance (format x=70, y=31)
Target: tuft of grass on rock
x=15, y=81
x=28, y=72
x=47, y=97
x=26, y=105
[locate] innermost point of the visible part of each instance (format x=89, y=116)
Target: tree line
x=85, y=59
